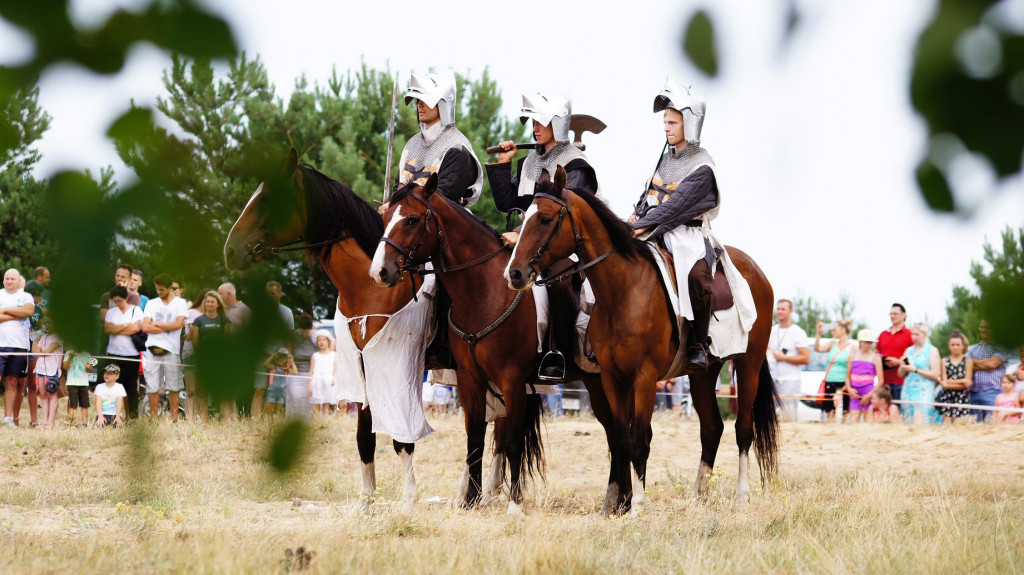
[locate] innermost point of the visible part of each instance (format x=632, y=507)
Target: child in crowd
x=321, y=375
x=79, y=365
x=48, y=370
x=1008, y=398
x=882, y=409
x=110, y=398
x=280, y=366
x=863, y=376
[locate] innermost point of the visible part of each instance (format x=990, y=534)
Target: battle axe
x=578, y=124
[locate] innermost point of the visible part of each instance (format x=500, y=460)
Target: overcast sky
x=815, y=140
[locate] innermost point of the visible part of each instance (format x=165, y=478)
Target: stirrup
x=552, y=367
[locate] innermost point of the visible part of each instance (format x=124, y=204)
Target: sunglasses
x=175, y=287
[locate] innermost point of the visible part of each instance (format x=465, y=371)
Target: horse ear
x=545, y=177
x=431, y=186
x=291, y=163
x=560, y=179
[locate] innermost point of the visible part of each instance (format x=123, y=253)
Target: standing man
x=892, y=343
x=133, y=289
x=788, y=349
x=439, y=147
x=122, y=277
x=989, y=367
x=16, y=309
x=236, y=310
x=551, y=116
x=262, y=379
x=163, y=319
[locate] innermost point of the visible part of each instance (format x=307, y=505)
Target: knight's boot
x=700, y=297
x=562, y=305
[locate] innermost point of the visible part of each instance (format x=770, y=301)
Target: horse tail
x=766, y=424
x=533, y=443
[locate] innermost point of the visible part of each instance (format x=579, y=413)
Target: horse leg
x=366, y=440
x=603, y=413
x=705, y=403
x=620, y=485
x=472, y=396
x=409, y=492
x=492, y=489
x=640, y=438
x=515, y=452
x=746, y=390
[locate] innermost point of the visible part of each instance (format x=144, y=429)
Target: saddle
x=721, y=295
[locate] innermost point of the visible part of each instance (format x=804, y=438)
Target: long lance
x=391, y=142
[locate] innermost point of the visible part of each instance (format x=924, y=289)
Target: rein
x=473, y=338
x=579, y=266
x=257, y=248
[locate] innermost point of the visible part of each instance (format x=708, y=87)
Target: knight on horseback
x=677, y=206
x=442, y=149
x=551, y=116
x=439, y=147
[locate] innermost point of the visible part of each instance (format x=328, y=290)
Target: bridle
x=578, y=238
x=406, y=261
x=257, y=249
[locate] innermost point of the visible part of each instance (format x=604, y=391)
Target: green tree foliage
x=809, y=311
x=24, y=240
x=999, y=281
x=236, y=128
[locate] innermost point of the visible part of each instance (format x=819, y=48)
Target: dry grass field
x=850, y=499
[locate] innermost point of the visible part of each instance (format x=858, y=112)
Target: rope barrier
x=584, y=390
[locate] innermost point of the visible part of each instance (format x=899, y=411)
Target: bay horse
x=635, y=336
x=338, y=229
x=493, y=329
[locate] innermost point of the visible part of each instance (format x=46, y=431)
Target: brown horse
x=493, y=329
x=337, y=228
x=635, y=336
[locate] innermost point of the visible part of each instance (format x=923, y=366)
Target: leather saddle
x=721, y=295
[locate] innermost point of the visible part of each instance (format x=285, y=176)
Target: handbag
x=822, y=396
x=139, y=339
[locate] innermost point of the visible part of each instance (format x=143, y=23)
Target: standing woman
x=188, y=349
x=838, y=359
x=211, y=324
x=957, y=378
x=296, y=403
x=923, y=371
x=121, y=322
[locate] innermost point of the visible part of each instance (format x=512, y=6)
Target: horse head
x=275, y=215
x=542, y=238
x=409, y=236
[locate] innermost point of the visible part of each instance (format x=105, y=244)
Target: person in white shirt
x=163, y=320
x=788, y=349
x=110, y=398
x=121, y=323
x=16, y=309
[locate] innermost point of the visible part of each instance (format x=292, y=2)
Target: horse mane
x=334, y=209
x=411, y=187
x=621, y=235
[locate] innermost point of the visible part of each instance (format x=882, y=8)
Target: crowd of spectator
x=149, y=347
x=898, y=374
x=147, y=353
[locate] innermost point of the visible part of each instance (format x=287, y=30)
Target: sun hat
x=112, y=368
x=323, y=333
x=866, y=335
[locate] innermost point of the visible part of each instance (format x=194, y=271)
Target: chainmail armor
x=425, y=158
x=536, y=164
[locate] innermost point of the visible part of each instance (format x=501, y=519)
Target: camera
x=906, y=361
x=826, y=327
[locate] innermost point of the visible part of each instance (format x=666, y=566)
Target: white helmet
x=434, y=90
x=555, y=111
x=690, y=104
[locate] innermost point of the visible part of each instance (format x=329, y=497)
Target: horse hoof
x=365, y=504
x=742, y=500
x=515, y=509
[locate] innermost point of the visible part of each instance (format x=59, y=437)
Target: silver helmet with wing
x=434, y=90
x=555, y=111
x=691, y=105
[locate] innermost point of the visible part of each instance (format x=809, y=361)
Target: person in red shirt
x=891, y=345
